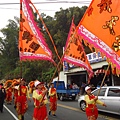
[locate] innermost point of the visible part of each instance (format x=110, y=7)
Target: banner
x=74, y=52
x=32, y=45
x=100, y=28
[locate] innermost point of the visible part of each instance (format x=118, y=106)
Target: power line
x=19, y=9
x=52, y=2
x=10, y=8
x=70, y=1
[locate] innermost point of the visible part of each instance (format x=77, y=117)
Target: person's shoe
x=22, y=117
x=54, y=115
x=15, y=106
x=49, y=112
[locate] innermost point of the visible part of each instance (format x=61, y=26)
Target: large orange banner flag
x=32, y=45
x=74, y=51
x=100, y=27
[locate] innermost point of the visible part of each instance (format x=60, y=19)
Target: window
x=102, y=92
x=99, y=55
x=114, y=92
x=89, y=57
x=94, y=55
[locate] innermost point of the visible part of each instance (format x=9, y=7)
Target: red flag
x=74, y=51
x=32, y=45
x=100, y=27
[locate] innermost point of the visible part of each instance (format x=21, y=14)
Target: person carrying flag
x=91, y=101
x=40, y=101
x=21, y=103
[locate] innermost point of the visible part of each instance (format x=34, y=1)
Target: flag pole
x=103, y=79
x=57, y=69
x=20, y=34
x=21, y=69
x=59, y=65
x=47, y=31
x=102, y=83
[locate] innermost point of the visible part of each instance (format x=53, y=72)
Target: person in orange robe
x=91, y=101
x=53, y=100
x=9, y=95
x=21, y=104
x=40, y=101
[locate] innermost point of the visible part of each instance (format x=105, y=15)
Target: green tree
x=60, y=25
x=9, y=48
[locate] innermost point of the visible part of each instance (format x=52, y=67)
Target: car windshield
x=102, y=92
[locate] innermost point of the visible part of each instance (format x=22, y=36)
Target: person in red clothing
x=21, y=104
x=91, y=101
x=40, y=101
x=9, y=94
x=15, y=94
x=53, y=100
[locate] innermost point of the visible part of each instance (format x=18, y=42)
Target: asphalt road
x=67, y=110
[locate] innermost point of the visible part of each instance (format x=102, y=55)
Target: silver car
x=110, y=95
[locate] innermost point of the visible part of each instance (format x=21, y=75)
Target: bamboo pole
x=50, y=38
x=57, y=68
x=21, y=69
x=46, y=30
x=103, y=79
x=20, y=34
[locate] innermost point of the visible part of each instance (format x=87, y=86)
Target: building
x=72, y=74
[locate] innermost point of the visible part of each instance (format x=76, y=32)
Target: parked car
x=110, y=95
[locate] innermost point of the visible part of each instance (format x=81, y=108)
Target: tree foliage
x=9, y=48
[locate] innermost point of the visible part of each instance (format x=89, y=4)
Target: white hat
x=16, y=87
x=87, y=88
x=37, y=83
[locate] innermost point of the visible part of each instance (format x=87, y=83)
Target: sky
x=10, y=8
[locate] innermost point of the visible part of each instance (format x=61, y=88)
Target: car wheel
x=58, y=96
x=82, y=105
x=73, y=97
x=61, y=98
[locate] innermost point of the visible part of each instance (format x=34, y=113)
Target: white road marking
x=11, y=113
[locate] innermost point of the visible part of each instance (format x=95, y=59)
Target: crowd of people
x=20, y=92
x=72, y=86
x=40, y=94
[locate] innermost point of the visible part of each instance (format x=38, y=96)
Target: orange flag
x=32, y=45
x=100, y=27
x=74, y=52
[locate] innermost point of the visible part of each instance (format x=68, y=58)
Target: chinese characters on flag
x=100, y=27
x=74, y=52
x=32, y=44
